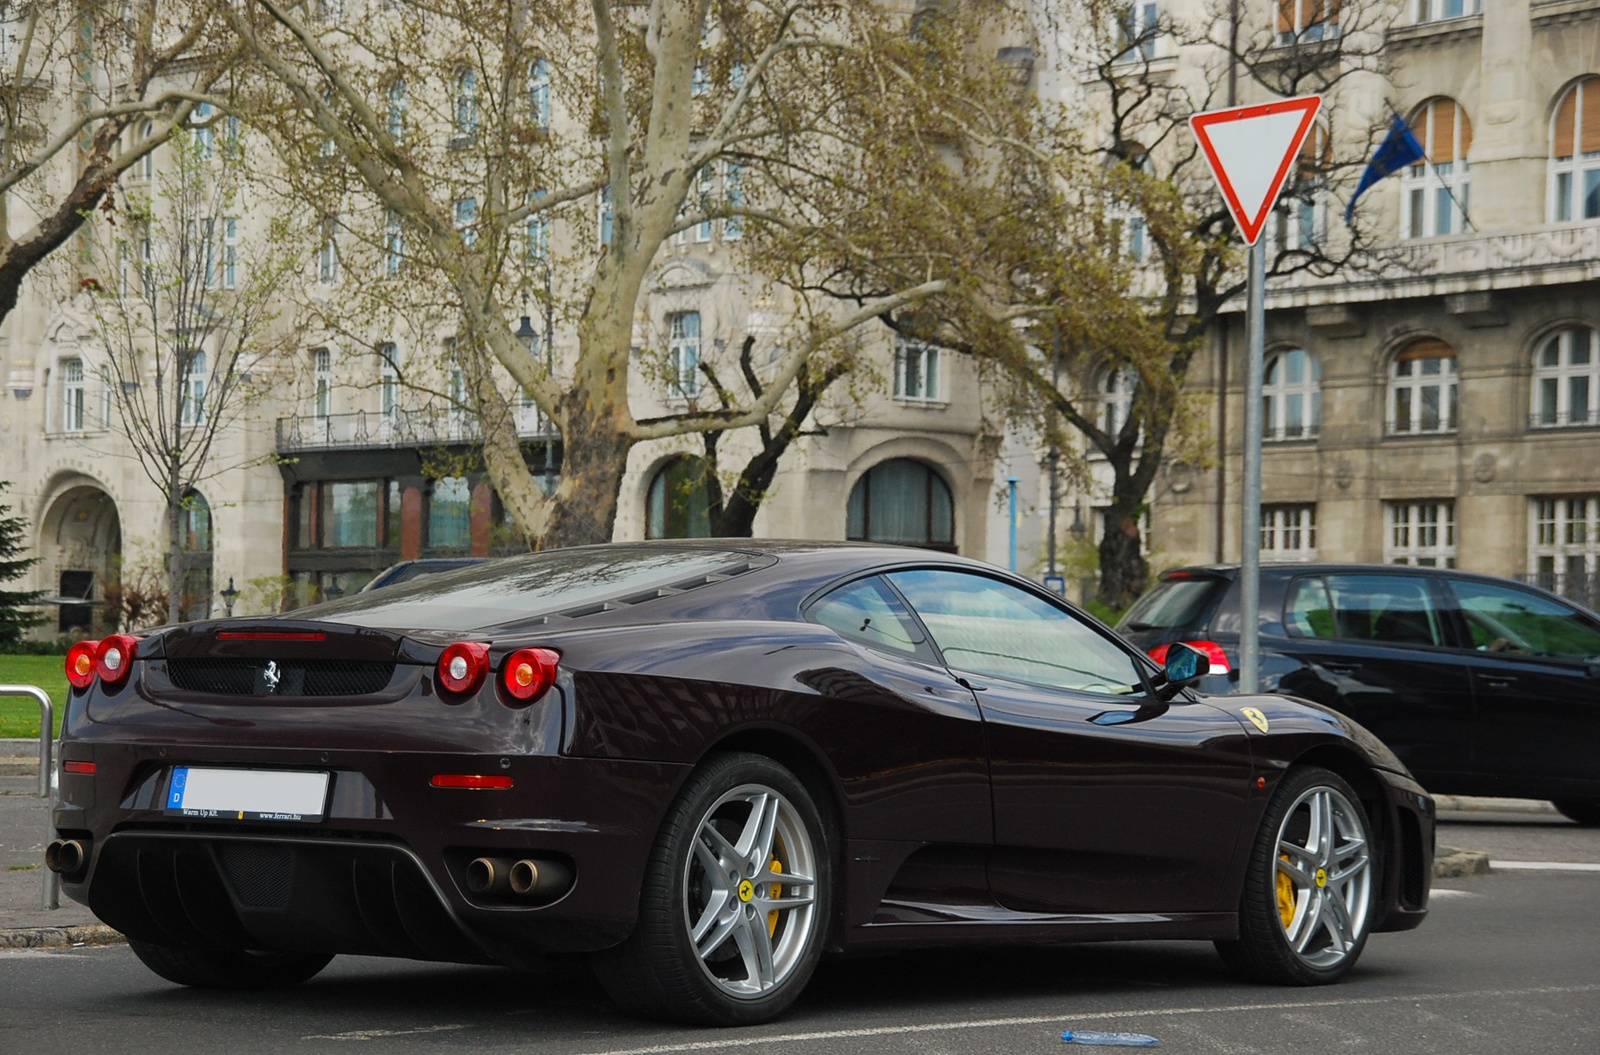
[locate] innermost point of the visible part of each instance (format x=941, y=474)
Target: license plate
x=247, y=794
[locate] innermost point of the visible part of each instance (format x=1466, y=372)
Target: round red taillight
x=462, y=667
x=80, y=664
x=528, y=673
x=114, y=656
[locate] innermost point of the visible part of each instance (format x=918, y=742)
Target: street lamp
x=526, y=333
x=229, y=596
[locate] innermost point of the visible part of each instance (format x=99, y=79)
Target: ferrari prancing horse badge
x=1257, y=719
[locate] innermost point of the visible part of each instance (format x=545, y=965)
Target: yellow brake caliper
x=777, y=891
x=1285, y=896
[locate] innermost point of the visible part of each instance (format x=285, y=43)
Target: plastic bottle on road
x=1122, y=1040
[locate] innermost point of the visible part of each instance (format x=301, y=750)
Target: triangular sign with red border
x=1251, y=150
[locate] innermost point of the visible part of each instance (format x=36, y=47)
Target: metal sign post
x=1251, y=150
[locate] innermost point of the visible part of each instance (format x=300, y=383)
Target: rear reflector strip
x=470, y=780
x=236, y=635
x=86, y=768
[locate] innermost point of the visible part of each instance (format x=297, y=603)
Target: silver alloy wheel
x=749, y=890
x=1325, y=868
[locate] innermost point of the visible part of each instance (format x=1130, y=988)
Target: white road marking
x=1445, y=892
x=1495, y=864
x=1084, y=1016
x=378, y=1034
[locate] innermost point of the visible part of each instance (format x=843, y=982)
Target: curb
x=1450, y=863
x=59, y=937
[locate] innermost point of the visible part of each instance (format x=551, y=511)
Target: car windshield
x=1171, y=603
x=525, y=587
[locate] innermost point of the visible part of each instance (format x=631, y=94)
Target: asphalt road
x=1506, y=963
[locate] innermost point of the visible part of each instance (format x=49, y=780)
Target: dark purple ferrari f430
x=704, y=765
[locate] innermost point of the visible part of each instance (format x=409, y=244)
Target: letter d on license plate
x=247, y=794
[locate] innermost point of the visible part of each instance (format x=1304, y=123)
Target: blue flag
x=1398, y=149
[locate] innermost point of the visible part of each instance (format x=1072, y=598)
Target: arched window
x=678, y=506
x=1291, y=396
x=194, y=542
x=1436, y=193
x=1566, y=380
x=1422, y=388
x=467, y=103
x=539, y=94
x=1115, y=396
x=902, y=502
x=1574, y=190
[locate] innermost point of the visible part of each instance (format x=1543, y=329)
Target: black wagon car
x=1482, y=686
x=705, y=764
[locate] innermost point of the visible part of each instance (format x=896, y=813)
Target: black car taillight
x=80, y=664
x=462, y=667
x=528, y=673
x=114, y=656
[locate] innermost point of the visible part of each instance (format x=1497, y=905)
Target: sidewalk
x=25, y=923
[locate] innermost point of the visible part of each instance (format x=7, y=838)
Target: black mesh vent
x=295, y=677
x=1413, y=882
x=259, y=875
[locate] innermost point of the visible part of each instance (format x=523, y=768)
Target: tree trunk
x=174, y=546
x=1123, y=569
x=593, y=461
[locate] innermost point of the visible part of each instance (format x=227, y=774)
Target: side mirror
x=1185, y=665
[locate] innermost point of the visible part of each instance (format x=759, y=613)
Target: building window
x=328, y=252
x=683, y=354
x=916, y=370
x=1136, y=31
x=72, y=395
x=1128, y=227
x=205, y=137
x=902, y=502
x=322, y=373
x=733, y=198
x=1115, y=396
x=466, y=104
x=605, y=215
x=192, y=398
x=230, y=252
x=1566, y=380
x=394, y=245
x=1299, y=223
x=450, y=514
x=107, y=394
x=1439, y=10
x=1435, y=194
x=1289, y=533
x=1565, y=554
x=1574, y=190
x=388, y=381
x=1422, y=388
x=195, y=542
x=539, y=94
x=350, y=514
x=538, y=236
x=147, y=163
x=1422, y=534
x=677, y=505
x=398, y=105
x=467, y=221
x=705, y=185
x=1291, y=400
x=1306, y=21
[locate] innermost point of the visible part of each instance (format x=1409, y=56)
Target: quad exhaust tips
x=66, y=857
x=527, y=878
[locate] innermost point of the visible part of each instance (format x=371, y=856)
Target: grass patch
x=19, y=716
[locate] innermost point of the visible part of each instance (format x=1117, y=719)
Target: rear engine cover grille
x=258, y=874
x=295, y=677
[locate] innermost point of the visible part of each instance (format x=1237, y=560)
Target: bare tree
x=86, y=92
x=187, y=312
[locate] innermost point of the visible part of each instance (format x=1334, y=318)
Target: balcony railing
x=1582, y=588
x=1563, y=420
x=428, y=427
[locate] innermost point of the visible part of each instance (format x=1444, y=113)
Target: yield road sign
x=1251, y=150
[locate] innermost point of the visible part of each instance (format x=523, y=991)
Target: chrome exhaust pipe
x=66, y=857
x=531, y=878
x=489, y=875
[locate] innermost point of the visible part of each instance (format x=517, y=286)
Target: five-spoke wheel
x=735, y=900
x=1308, y=894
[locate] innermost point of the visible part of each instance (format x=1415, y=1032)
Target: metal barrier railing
x=47, y=728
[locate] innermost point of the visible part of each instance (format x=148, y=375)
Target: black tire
x=229, y=968
x=721, y=978
x=1306, y=911
x=1585, y=811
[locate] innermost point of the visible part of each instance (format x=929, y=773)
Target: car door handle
x=1343, y=668
x=1498, y=681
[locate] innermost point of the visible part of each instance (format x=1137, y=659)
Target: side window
x=1386, y=609
x=868, y=612
x=1309, y=613
x=991, y=628
x=1506, y=619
